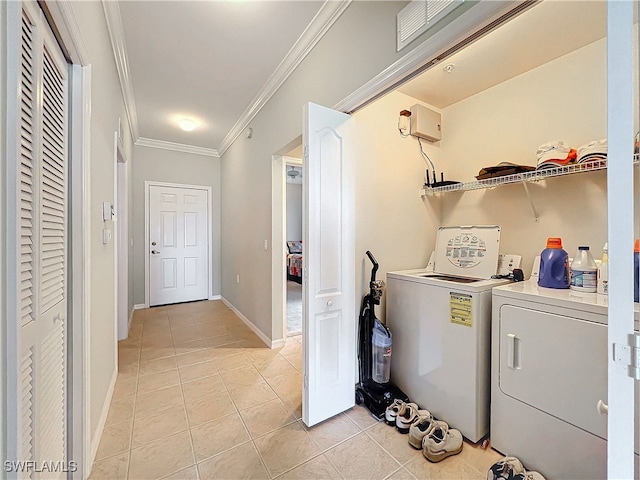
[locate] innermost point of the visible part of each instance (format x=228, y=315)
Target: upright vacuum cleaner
x=375, y=395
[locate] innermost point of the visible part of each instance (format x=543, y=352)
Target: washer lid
x=467, y=251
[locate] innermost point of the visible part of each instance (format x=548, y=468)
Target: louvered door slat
x=27, y=407
x=53, y=177
x=27, y=107
x=53, y=394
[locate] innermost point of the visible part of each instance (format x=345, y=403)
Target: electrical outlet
x=506, y=263
x=237, y=278
x=266, y=245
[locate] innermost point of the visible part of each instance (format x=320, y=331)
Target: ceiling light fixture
x=187, y=124
x=448, y=68
x=293, y=172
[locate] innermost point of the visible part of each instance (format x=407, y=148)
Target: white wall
x=106, y=108
x=392, y=221
x=360, y=45
x=564, y=99
x=154, y=164
x=294, y=212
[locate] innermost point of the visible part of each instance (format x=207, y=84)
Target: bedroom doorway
x=293, y=246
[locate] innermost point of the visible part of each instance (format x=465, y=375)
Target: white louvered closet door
x=42, y=217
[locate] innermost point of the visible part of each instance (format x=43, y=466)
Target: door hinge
x=305, y=153
x=306, y=383
x=629, y=355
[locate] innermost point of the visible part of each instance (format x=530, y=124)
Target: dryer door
x=556, y=364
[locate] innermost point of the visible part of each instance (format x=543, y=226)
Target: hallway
x=200, y=396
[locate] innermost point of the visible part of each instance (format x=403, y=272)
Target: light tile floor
x=199, y=396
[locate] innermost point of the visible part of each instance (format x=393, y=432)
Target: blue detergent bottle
x=554, y=265
x=636, y=266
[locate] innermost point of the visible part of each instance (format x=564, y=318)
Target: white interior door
x=37, y=359
x=328, y=288
x=178, y=244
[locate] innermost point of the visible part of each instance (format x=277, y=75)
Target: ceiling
x=209, y=61
x=546, y=31
x=218, y=62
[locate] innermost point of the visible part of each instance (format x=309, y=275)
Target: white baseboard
x=215, y=297
x=267, y=341
x=131, y=317
x=139, y=306
x=95, y=441
x=278, y=343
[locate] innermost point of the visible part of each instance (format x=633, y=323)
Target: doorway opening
x=122, y=240
x=294, y=246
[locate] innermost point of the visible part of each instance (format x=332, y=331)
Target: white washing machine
x=549, y=370
x=442, y=329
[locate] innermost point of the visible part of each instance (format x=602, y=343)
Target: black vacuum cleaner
x=373, y=395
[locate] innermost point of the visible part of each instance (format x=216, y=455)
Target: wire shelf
x=532, y=176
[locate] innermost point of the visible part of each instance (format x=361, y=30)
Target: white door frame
x=620, y=194
x=209, y=191
x=121, y=244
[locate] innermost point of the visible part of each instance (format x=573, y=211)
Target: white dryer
x=441, y=329
x=549, y=371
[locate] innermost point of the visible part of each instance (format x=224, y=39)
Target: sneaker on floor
x=509, y=468
x=531, y=475
x=406, y=416
x=392, y=410
x=441, y=442
x=420, y=428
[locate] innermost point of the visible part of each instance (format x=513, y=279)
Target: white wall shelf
x=521, y=178
x=533, y=176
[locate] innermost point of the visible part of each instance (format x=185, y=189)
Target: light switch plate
x=106, y=236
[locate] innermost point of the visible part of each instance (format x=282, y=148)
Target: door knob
x=329, y=302
x=154, y=251
x=153, y=243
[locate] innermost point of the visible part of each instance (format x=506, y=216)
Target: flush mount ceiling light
x=187, y=124
x=448, y=68
x=293, y=172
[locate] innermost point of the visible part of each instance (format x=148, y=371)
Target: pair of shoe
x=402, y=415
x=510, y=468
x=437, y=440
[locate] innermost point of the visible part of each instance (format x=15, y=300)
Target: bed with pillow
x=294, y=261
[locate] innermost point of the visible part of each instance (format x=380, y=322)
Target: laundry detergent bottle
x=636, y=267
x=554, y=265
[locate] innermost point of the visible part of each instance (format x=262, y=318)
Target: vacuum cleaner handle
x=375, y=265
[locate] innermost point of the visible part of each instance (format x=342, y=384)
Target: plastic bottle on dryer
x=584, y=271
x=554, y=265
x=603, y=272
x=636, y=266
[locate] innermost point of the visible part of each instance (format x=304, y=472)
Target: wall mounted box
x=425, y=123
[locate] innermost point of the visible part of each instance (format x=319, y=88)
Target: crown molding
x=321, y=23
x=116, y=34
x=176, y=147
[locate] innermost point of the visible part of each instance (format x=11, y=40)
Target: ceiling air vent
x=419, y=16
